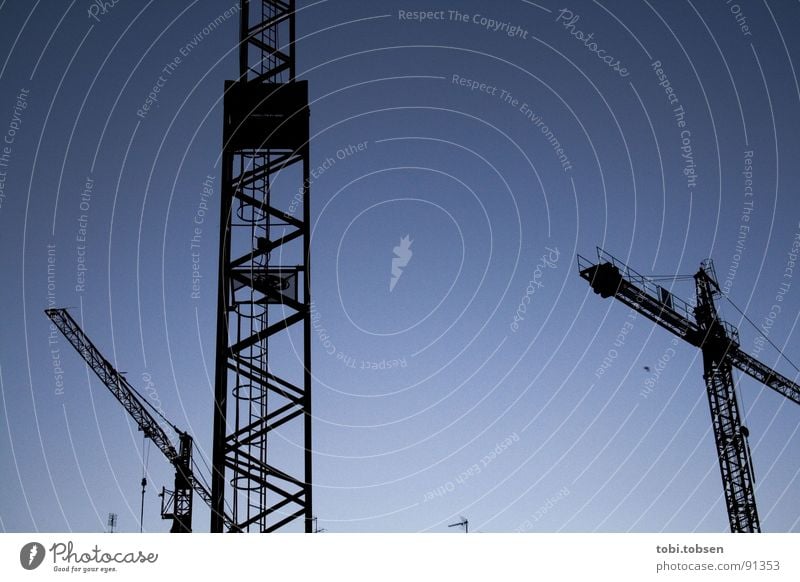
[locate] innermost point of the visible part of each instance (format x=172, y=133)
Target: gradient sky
x=473, y=178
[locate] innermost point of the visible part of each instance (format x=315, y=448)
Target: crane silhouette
x=701, y=326
x=463, y=523
x=177, y=503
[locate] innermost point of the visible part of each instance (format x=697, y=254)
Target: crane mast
x=261, y=463
x=730, y=435
x=176, y=504
x=701, y=326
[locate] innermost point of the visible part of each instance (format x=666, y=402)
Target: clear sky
x=502, y=138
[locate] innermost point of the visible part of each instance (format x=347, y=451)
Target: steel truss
x=262, y=417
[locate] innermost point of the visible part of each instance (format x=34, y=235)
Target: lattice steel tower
x=701, y=326
x=262, y=418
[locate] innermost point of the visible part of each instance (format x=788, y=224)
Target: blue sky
x=501, y=156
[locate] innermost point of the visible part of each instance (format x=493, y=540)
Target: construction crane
x=262, y=449
x=701, y=326
x=112, y=522
x=176, y=504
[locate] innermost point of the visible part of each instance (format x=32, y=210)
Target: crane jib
x=701, y=326
x=137, y=407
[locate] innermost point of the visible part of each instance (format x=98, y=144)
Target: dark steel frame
x=176, y=504
x=719, y=342
x=264, y=406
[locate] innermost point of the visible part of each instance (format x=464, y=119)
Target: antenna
x=112, y=522
x=316, y=528
x=463, y=523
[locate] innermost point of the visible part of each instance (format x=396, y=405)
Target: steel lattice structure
x=262, y=418
x=176, y=504
x=700, y=326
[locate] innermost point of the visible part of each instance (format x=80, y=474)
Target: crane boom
x=610, y=277
x=117, y=384
x=185, y=479
x=764, y=374
x=701, y=327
